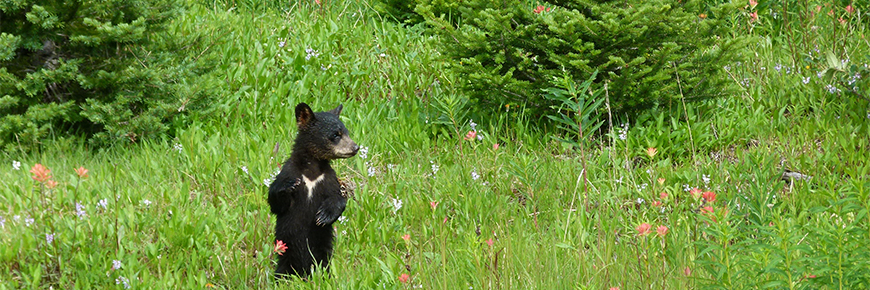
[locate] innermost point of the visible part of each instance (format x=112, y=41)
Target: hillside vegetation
x=449, y=195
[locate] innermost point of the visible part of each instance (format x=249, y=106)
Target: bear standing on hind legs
x=306, y=195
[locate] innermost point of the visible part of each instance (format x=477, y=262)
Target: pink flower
x=687, y=271
x=831, y=13
x=657, y=203
x=753, y=3
x=662, y=230
x=406, y=237
x=280, y=247
x=489, y=242
x=433, y=204
x=51, y=184
x=850, y=9
x=643, y=229
x=663, y=195
x=753, y=16
x=709, y=196
x=811, y=276
x=40, y=173
x=404, y=278
x=695, y=192
x=82, y=172
x=661, y=181
x=651, y=152
x=842, y=21
x=495, y=146
x=540, y=9
x=707, y=210
x=614, y=288
x=471, y=135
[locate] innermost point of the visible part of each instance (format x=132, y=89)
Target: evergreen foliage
x=105, y=69
x=647, y=52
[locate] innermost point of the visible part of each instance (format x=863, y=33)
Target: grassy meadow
x=687, y=198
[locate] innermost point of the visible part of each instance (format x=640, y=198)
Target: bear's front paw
x=324, y=217
x=295, y=184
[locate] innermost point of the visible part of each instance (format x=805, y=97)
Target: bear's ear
x=304, y=115
x=337, y=110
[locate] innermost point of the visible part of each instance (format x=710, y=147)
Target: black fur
x=304, y=220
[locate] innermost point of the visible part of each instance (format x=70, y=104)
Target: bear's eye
x=336, y=136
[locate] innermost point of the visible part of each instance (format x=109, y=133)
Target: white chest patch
x=310, y=184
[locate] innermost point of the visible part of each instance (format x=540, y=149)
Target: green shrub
x=650, y=52
x=105, y=69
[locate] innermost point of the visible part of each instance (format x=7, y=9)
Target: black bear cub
x=306, y=195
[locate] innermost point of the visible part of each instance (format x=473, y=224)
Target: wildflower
x=16, y=165
x=471, y=135
x=474, y=175
x=2, y=222
x=811, y=276
x=696, y=192
x=103, y=203
x=614, y=288
x=495, y=146
x=686, y=187
x=753, y=16
x=643, y=229
x=309, y=53
x=850, y=9
x=623, y=133
x=80, y=210
x=707, y=210
x=371, y=169
x=806, y=79
x=709, y=196
x=662, y=231
x=433, y=204
x=753, y=3
x=280, y=247
x=473, y=125
x=28, y=221
x=778, y=67
x=123, y=280
x=177, y=147
x=687, y=271
x=489, y=242
x=281, y=44
x=663, y=195
x=702, y=16
x=479, y=137
x=392, y=167
x=40, y=173
x=661, y=181
x=51, y=184
x=540, y=9
x=842, y=21
x=705, y=178
x=363, y=152
x=657, y=203
x=407, y=237
x=397, y=204
x=651, y=152
x=146, y=202
x=209, y=285
x=434, y=168
x=82, y=172
x=116, y=264
x=342, y=219
x=404, y=278
x=271, y=178
x=245, y=169
x=49, y=238
x=832, y=89
x=640, y=200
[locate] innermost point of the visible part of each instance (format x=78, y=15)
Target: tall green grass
x=191, y=212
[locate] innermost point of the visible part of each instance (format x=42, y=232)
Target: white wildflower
x=363, y=152
x=123, y=280
x=80, y=210
x=177, y=147
x=16, y=165
x=103, y=203
x=116, y=264
x=397, y=204
x=474, y=175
